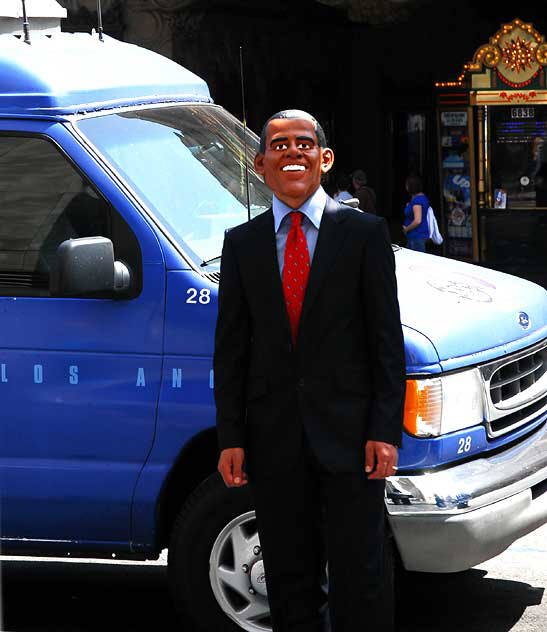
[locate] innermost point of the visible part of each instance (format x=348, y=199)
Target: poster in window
x=456, y=184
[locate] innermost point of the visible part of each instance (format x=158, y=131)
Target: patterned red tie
x=296, y=269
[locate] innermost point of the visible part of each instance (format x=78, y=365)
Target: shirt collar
x=312, y=208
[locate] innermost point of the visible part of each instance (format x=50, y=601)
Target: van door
x=79, y=377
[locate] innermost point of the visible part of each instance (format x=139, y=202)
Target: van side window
x=44, y=200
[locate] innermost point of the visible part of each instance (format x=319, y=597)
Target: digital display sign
x=517, y=154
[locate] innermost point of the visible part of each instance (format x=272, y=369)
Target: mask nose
x=293, y=150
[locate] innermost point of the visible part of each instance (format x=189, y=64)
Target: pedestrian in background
x=364, y=193
x=343, y=184
x=415, y=215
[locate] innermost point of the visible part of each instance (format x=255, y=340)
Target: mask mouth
x=293, y=168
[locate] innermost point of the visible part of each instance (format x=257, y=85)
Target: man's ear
x=259, y=164
x=327, y=159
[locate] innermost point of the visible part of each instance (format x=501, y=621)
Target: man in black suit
x=309, y=383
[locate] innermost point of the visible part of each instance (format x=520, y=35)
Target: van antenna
x=99, y=20
x=26, y=29
x=244, y=133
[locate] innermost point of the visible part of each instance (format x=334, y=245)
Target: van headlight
x=439, y=405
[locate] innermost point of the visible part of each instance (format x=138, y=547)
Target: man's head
x=359, y=178
x=293, y=156
x=343, y=182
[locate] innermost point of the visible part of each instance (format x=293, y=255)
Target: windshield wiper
x=206, y=263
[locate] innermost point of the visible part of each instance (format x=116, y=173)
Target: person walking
x=343, y=184
x=309, y=384
x=364, y=193
x=415, y=224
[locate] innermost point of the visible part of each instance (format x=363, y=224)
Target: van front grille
x=515, y=377
x=212, y=276
x=516, y=389
x=498, y=426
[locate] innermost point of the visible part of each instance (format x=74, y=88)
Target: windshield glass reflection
x=186, y=163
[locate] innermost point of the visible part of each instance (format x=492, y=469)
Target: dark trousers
x=298, y=513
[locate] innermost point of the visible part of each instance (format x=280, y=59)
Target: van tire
x=197, y=527
x=196, y=536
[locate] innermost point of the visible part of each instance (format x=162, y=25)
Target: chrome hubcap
x=236, y=573
x=258, y=578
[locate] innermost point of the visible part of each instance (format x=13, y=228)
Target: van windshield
x=186, y=163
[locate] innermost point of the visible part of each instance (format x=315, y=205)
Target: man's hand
x=230, y=466
x=380, y=459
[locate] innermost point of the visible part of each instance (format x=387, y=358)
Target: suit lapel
x=266, y=266
x=329, y=241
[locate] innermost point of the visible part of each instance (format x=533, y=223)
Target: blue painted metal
x=75, y=72
x=186, y=405
x=466, y=310
x=76, y=429
x=421, y=357
x=421, y=454
x=427, y=454
x=189, y=327
x=485, y=355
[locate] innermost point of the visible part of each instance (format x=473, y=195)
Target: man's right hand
x=230, y=466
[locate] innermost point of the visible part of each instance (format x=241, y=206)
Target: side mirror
x=86, y=267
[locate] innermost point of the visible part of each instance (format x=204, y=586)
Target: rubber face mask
x=293, y=162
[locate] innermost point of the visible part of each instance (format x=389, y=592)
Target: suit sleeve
x=384, y=338
x=231, y=356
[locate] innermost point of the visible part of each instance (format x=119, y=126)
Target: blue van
x=118, y=178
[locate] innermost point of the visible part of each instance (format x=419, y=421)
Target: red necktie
x=296, y=269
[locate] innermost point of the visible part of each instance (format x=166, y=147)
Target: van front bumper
x=460, y=516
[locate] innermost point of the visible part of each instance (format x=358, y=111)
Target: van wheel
x=216, y=573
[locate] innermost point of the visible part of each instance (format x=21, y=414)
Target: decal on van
x=38, y=376
x=462, y=286
x=177, y=378
x=461, y=289
x=524, y=320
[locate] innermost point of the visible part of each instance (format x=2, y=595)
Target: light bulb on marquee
x=518, y=55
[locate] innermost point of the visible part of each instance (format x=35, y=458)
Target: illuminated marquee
x=515, y=56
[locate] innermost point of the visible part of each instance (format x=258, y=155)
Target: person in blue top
x=415, y=215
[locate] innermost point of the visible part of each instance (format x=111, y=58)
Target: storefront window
x=456, y=183
x=518, y=157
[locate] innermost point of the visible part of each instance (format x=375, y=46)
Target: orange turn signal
x=423, y=407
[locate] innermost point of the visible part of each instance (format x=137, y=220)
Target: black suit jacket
x=343, y=381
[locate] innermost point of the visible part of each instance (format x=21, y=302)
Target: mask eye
x=280, y=146
x=303, y=145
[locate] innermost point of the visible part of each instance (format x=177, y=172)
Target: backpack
x=433, y=228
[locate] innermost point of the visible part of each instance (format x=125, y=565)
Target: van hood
x=464, y=309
